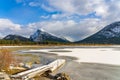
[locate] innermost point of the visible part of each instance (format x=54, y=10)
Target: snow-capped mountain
x=43, y=36
x=108, y=35
x=15, y=37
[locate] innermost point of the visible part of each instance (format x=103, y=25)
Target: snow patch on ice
x=90, y=55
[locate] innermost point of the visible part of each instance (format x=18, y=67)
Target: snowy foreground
x=89, y=55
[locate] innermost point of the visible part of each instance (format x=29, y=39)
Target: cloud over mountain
x=74, y=19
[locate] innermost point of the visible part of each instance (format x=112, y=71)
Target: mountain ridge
x=110, y=34
x=15, y=37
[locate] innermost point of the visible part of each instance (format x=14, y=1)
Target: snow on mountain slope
x=108, y=35
x=112, y=30
x=41, y=36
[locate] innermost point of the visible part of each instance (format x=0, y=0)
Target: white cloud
x=41, y=5
x=101, y=8
x=107, y=10
x=8, y=27
x=114, y=11
x=7, y=24
x=45, y=17
x=80, y=7
x=62, y=5
x=34, y=4
x=69, y=29
x=47, y=8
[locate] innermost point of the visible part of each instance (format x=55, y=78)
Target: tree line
x=18, y=42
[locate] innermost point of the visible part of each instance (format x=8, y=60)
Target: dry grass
x=6, y=57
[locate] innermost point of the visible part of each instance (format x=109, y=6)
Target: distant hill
x=43, y=36
x=16, y=37
x=108, y=35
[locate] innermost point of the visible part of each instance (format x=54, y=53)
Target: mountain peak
x=42, y=36
x=40, y=30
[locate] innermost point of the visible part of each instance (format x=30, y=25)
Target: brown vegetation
x=6, y=58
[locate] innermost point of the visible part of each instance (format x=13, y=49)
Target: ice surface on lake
x=90, y=55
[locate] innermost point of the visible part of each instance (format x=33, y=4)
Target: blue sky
x=20, y=12
x=72, y=19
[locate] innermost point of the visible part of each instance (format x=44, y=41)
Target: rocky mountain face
x=108, y=35
x=43, y=36
x=15, y=37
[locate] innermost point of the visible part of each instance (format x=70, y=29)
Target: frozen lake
x=89, y=55
x=82, y=62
